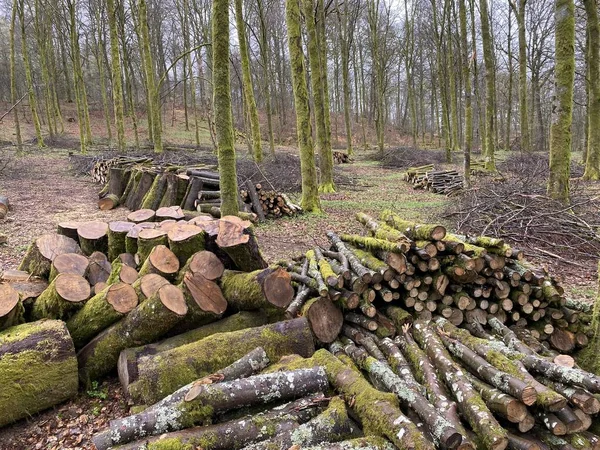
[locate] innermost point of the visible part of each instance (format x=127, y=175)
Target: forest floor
x=43, y=190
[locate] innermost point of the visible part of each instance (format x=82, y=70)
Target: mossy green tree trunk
x=592, y=163
x=409, y=63
x=29, y=77
x=310, y=193
x=115, y=66
x=455, y=146
x=222, y=107
x=250, y=101
x=373, y=20
x=266, y=62
x=13, y=75
x=462, y=12
x=564, y=76
x=523, y=113
x=318, y=80
x=490, y=86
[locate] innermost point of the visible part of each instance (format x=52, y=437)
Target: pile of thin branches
x=533, y=166
x=520, y=211
x=402, y=157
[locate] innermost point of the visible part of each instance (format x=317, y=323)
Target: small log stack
x=452, y=334
x=445, y=182
x=271, y=204
x=341, y=157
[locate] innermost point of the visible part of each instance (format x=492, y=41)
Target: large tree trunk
x=38, y=369
x=162, y=374
x=592, y=165
x=43, y=250
x=62, y=297
x=266, y=288
x=236, y=238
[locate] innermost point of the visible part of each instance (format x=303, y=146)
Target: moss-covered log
x=144, y=324
x=128, y=359
x=62, y=297
x=68, y=263
x=204, y=299
x=162, y=374
x=131, y=239
x=377, y=411
x=382, y=231
x=101, y=311
x=186, y=239
x=414, y=230
x=203, y=263
x=364, y=443
x=93, y=237
x=43, y=250
x=108, y=202
x=122, y=273
x=117, y=232
x=270, y=287
x=38, y=369
x=99, y=268
x=138, y=192
x=11, y=308
x=161, y=261
x=68, y=229
x=147, y=240
x=154, y=195
x=212, y=399
x=236, y=238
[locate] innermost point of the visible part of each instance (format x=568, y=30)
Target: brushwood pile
x=405, y=337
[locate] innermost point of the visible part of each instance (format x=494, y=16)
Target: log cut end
x=151, y=283
x=72, y=288
x=326, y=319
x=206, y=264
x=206, y=293
x=277, y=287
x=172, y=298
x=141, y=215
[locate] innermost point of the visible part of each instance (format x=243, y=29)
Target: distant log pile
x=341, y=157
x=445, y=182
x=470, y=340
x=137, y=184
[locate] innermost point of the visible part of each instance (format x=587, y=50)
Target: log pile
x=341, y=157
x=269, y=204
x=445, y=182
x=427, y=339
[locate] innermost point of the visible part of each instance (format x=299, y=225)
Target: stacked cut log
x=446, y=182
x=267, y=204
x=341, y=157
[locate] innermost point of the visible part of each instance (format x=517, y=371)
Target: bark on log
x=161, y=261
x=68, y=229
x=11, y=308
x=194, y=186
x=324, y=317
x=382, y=231
x=137, y=194
x=122, y=273
x=63, y=296
x=99, y=268
x=93, y=236
x=186, y=239
x=256, y=204
x=38, y=369
x=147, y=423
x=236, y=238
x=144, y=324
x=268, y=288
x=101, y=311
x=376, y=410
x=169, y=197
x=414, y=230
x=43, y=250
x=363, y=273
x=68, y=263
x=131, y=239
x=4, y=205
x=365, y=443
x=129, y=358
x=147, y=240
x=162, y=374
x=108, y=202
x=117, y=232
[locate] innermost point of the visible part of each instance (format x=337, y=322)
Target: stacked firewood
x=202, y=331
x=341, y=157
x=101, y=166
x=267, y=204
x=446, y=182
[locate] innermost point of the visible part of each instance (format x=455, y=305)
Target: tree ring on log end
x=122, y=297
x=72, y=288
x=172, y=298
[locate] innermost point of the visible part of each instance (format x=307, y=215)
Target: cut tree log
x=256, y=204
x=108, y=202
x=131, y=239
x=68, y=229
x=146, y=323
x=122, y=273
x=169, y=212
x=4, y=206
x=414, y=230
x=162, y=374
x=38, y=369
x=101, y=311
x=266, y=288
x=185, y=239
x=66, y=294
x=93, y=236
x=147, y=240
x=204, y=299
x=138, y=192
x=236, y=238
x=169, y=198
x=155, y=193
x=117, y=232
x=11, y=308
x=190, y=197
x=98, y=269
x=43, y=250
x=148, y=285
x=161, y=261
x=204, y=263
x=142, y=215
x=324, y=317
x=128, y=359
x=69, y=263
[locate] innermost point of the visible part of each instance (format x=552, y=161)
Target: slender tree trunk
x=264, y=54
x=222, y=107
x=115, y=65
x=524, y=115
x=560, y=131
x=13, y=76
x=250, y=101
x=462, y=11
x=373, y=19
x=453, y=98
x=345, y=43
x=592, y=165
x=510, y=85
x=490, y=83
x=310, y=193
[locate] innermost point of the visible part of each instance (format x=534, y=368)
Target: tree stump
x=93, y=236
x=131, y=238
x=69, y=263
x=117, y=233
x=101, y=311
x=11, y=308
x=141, y=215
x=236, y=238
x=38, y=369
x=259, y=289
x=63, y=296
x=43, y=250
x=147, y=240
x=184, y=240
x=161, y=261
x=144, y=324
x=68, y=229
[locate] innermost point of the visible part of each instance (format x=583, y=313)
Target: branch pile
x=203, y=332
x=445, y=182
x=405, y=157
x=341, y=157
